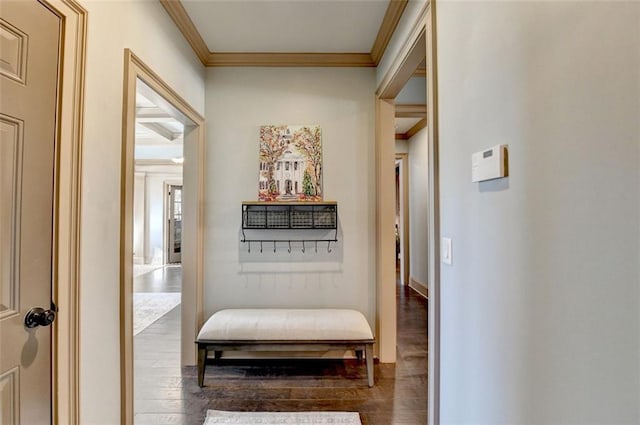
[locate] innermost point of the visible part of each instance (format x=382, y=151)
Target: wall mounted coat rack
x=289, y=216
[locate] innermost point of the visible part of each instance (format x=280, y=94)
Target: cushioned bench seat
x=285, y=330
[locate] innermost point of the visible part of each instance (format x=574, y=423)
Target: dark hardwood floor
x=167, y=394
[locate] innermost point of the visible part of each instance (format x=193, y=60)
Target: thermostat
x=489, y=164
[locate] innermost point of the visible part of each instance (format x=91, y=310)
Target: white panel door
x=29, y=52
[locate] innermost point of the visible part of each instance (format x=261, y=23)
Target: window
x=278, y=166
x=286, y=166
x=295, y=167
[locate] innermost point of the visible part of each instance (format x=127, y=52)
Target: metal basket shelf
x=290, y=216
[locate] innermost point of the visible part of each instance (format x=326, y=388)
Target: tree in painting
x=307, y=140
x=272, y=145
x=307, y=186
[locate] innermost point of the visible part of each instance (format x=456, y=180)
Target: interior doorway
x=157, y=233
x=411, y=178
x=69, y=120
x=419, y=47
x=174, y=223
x=402, y=218
x=173, y=155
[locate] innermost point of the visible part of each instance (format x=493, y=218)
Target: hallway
x=165, y=394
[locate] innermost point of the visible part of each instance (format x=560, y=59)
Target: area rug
x=140, y=269
x=150, y=306
x=219, y=417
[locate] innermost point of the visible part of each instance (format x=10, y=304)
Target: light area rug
x=150, y=306
x=140, y=269
x=219, y=417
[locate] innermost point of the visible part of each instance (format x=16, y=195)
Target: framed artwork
x=290, y=163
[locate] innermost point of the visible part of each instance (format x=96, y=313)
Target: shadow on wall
x=497, y=185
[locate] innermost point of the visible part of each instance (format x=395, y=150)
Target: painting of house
x=290, y=163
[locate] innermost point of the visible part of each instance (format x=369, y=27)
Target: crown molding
x=419, y=126
x=181, y=18
x=412, y=131
x=157, y=162
x=389, y=23
x=291, y=59
x=411, y=111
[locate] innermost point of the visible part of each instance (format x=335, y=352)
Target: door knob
x=39, y=317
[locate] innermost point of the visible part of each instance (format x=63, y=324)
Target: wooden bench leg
x=217, y=354
x=359, y=355
x=369, y=358
x=202, y=364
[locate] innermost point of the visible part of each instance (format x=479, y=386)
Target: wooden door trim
x=421, y=37
x=386, y=327
x=66, y=261
x=433, y=286
x=134, y=69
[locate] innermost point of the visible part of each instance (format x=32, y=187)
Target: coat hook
x=289, y=250
x=329, y=246
x=316, y=246
x=274, y=247
x=260, y=247
x=303, y=247
x=249, y=250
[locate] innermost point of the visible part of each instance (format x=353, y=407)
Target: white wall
x=418, y=225
x=113, y=26
x=540, y=310
x=341, y=101
x=402, y=146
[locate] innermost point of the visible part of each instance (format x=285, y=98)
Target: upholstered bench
x=285, y=330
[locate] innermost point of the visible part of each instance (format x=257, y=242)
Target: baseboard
x=419, y=287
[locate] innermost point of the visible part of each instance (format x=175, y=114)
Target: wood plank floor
x=167, y=394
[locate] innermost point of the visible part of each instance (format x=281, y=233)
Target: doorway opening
x=157, y=243
x=163, y=146
x=418, y=49
x=402, y=217
x=411, y=179
x=174, y=223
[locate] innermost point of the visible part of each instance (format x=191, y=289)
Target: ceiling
x=295, y=33
x=351, y=33
x=288, y=26
x=403, y=125
x=159, y=136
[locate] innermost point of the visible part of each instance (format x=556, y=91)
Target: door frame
x=65, y=349
x=421, y=40
x=192, y=288
x=402, y=159
x=166, y=220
